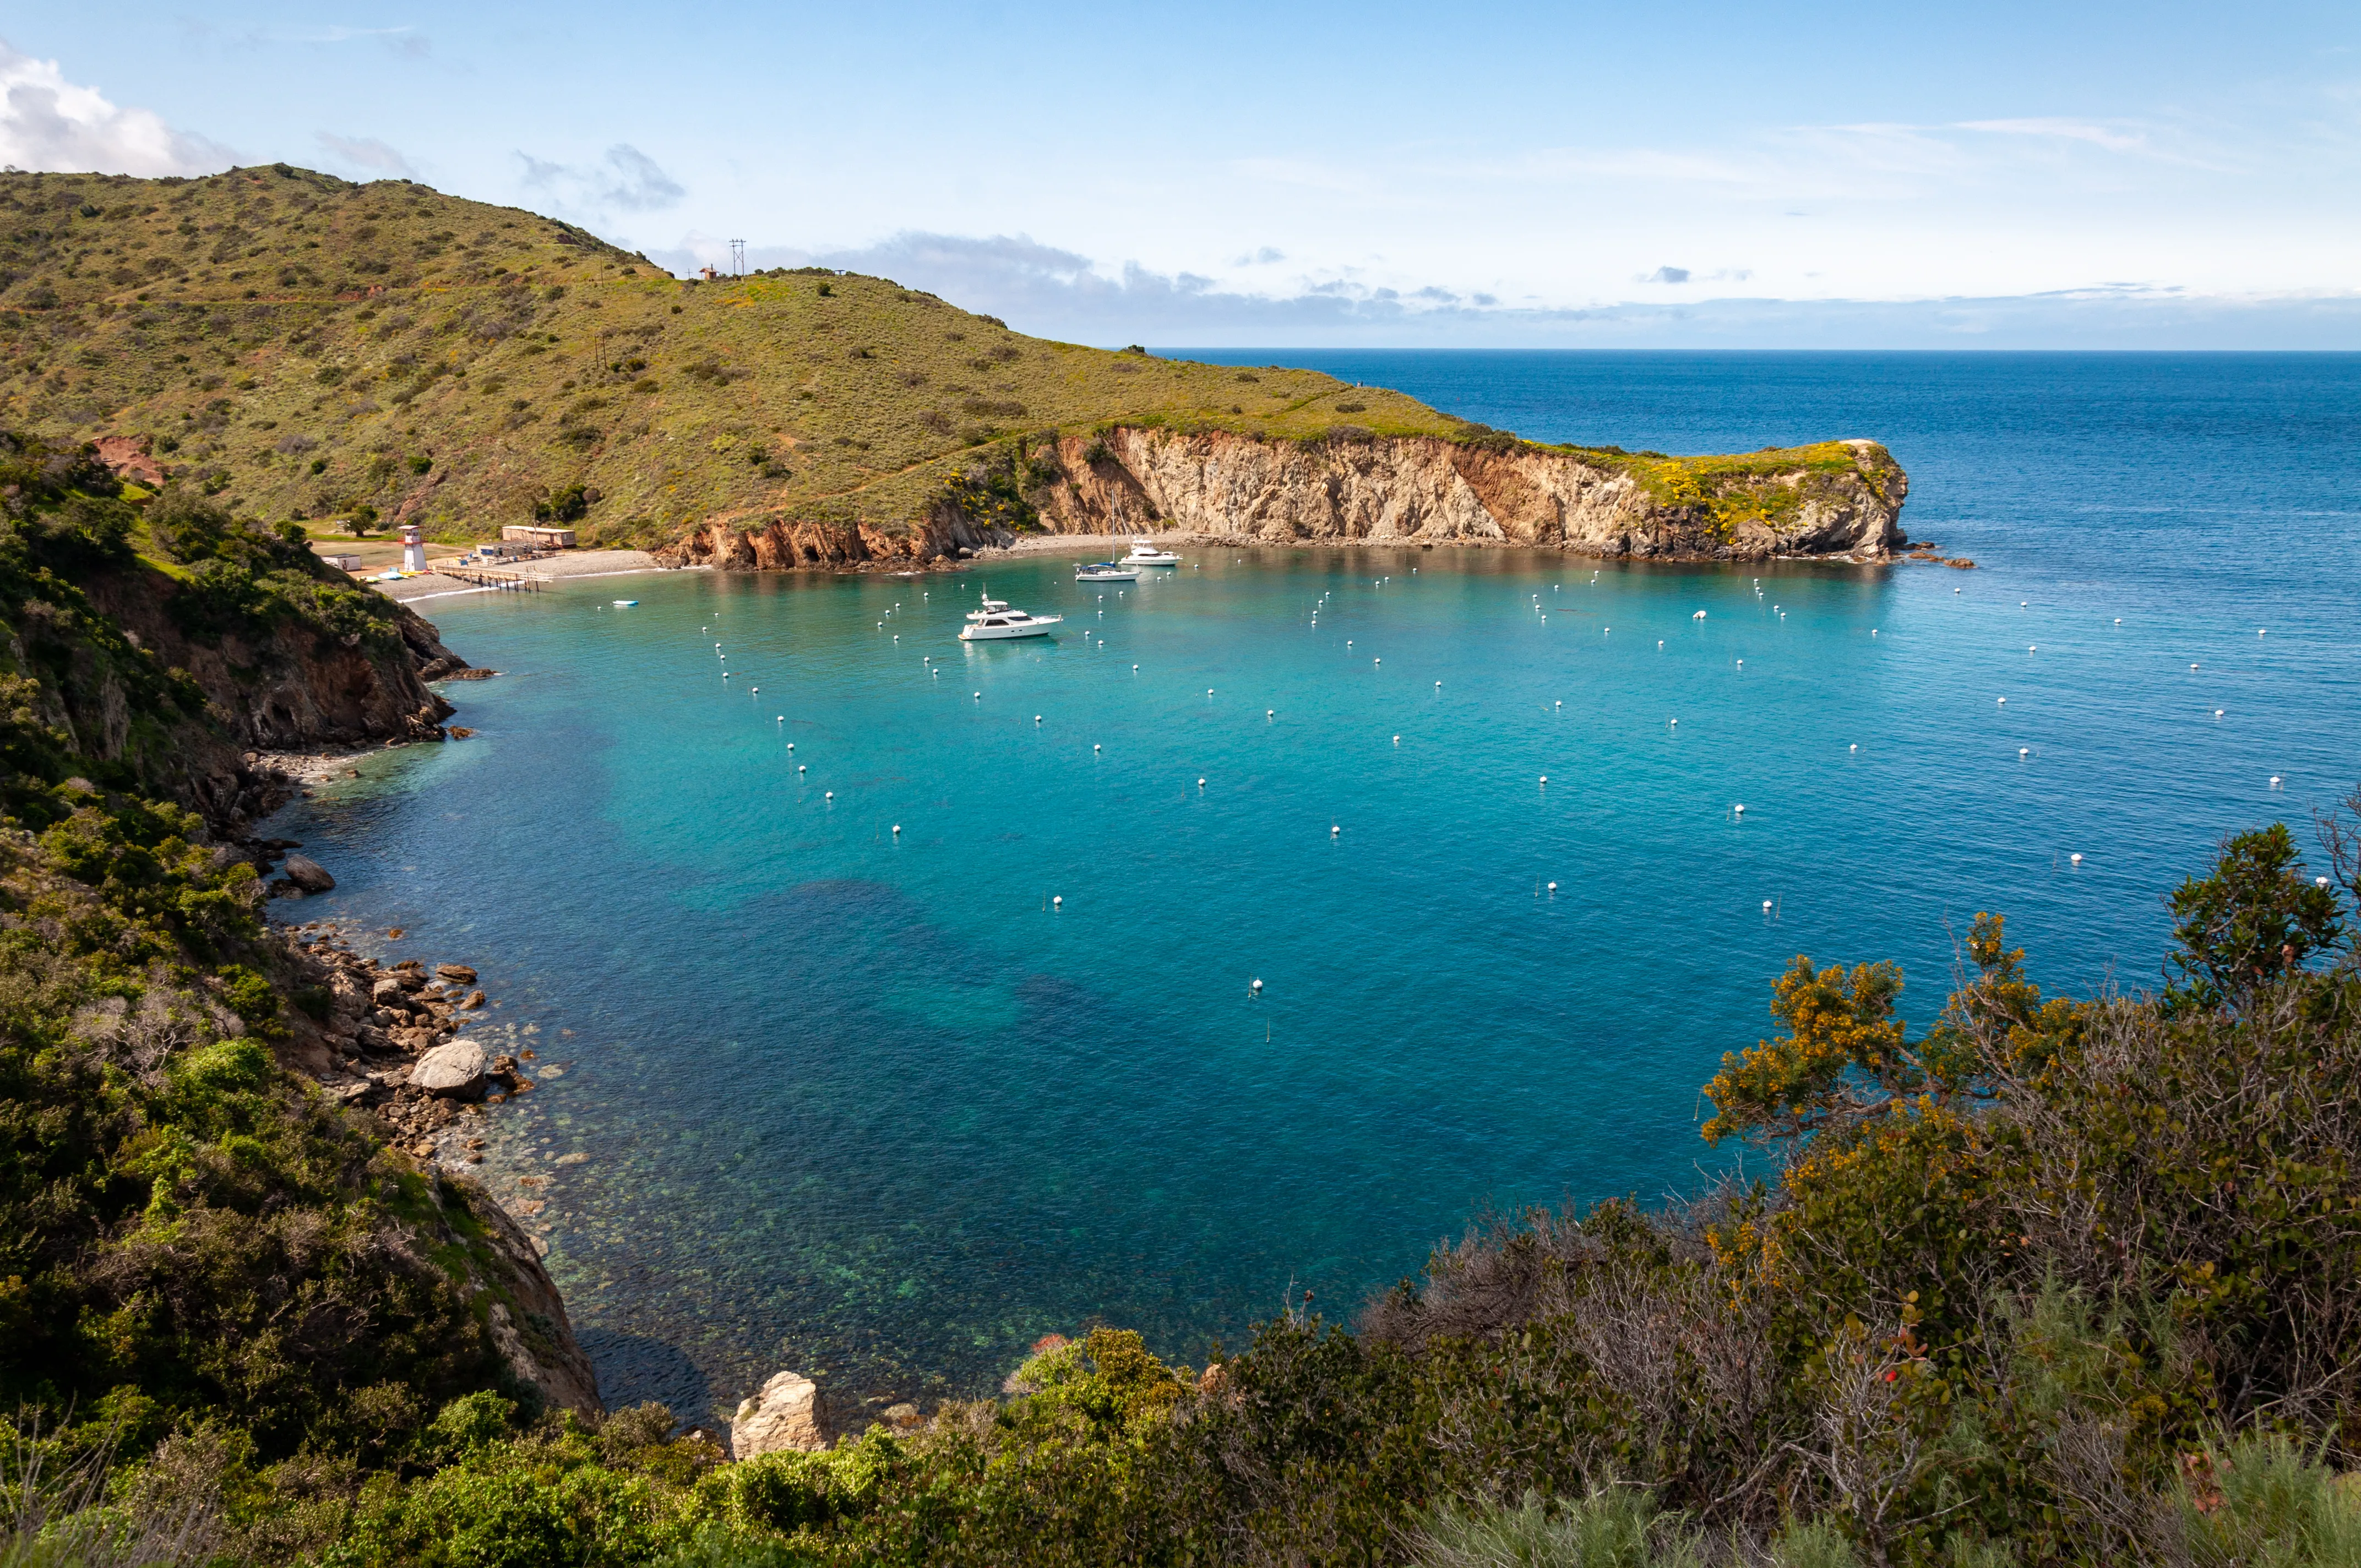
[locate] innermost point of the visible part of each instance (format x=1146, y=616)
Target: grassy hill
x=305, y=347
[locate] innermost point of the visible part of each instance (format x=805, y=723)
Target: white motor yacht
x=1144, y=552
x=996, y=620
x=1106, y=572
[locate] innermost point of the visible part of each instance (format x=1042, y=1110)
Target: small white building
x=539, y=536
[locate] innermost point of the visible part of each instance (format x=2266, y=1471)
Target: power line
x=737, y=259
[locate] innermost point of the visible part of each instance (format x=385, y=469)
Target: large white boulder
x=791, y=1412
x=454, y=1071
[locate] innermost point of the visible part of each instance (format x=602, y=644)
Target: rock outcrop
x=1841, y=498
x=309, y=875
x=256, y=684
x=790, y=1412
x=535, y=1338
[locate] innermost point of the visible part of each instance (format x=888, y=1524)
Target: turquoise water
x=873, y=1105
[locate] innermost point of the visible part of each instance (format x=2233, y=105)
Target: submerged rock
x=308, y=875
x=790, y=1413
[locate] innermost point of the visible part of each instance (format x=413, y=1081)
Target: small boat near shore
x=1144, y=552
x=1106, y=572
x=996, y=620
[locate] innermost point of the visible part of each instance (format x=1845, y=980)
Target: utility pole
x=737, y=259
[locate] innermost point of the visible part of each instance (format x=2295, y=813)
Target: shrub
x=568, y=505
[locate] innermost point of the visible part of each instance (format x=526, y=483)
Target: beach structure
x=413, y=549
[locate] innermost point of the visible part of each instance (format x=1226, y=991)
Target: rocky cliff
x=1835, y=499
x=283, y=684
x=162, y=646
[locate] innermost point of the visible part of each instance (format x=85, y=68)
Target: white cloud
x=405, y=42
x=2108, y=137
x=626, y=180
x=1064, y=294
x=49, y=123
x=366, y=152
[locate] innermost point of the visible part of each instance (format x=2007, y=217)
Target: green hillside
x=305, y=347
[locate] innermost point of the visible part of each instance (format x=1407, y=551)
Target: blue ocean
x=902, y=1010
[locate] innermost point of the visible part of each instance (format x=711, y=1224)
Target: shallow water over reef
x=874, y=1105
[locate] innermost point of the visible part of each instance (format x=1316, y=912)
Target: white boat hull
x=1106, y=577
x=1038, y=628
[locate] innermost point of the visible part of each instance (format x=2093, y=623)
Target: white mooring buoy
x=1766, y=906
x=2075, y=859
x=2024, y=750
x=898, y=829
x=1552, y=887
x=1741, y=810
x=1201, y=783
x=1255, y=986
x=831, y=794
x=1060, y=901
x=1333, y=832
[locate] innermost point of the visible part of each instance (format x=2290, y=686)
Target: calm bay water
x=870, y=1105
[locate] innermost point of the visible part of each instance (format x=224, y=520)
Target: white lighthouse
x=413, y=549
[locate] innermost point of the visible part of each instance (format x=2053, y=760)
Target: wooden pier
x=499, y=577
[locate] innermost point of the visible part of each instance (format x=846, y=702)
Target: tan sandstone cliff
x=1837, y=498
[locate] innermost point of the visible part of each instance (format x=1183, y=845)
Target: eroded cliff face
x=268, y=686
x=1417, y=490
x=734, y=543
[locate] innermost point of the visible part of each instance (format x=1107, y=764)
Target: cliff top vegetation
x=309, y=349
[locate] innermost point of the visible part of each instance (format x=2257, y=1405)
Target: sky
x=1495, y=175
